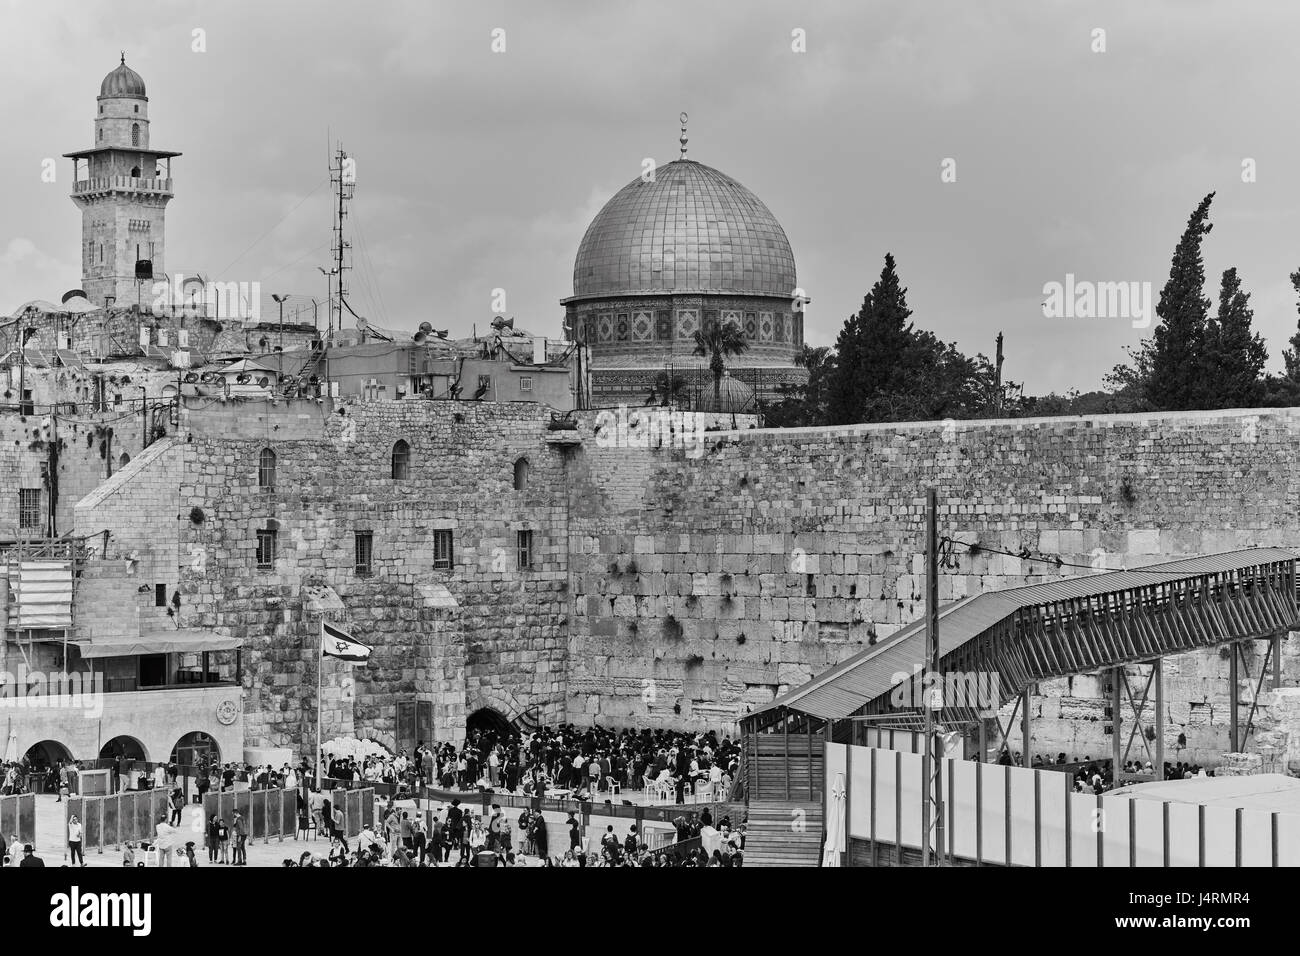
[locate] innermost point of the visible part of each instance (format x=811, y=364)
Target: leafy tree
x=1177, y=379
x=668, y=389
x=1291, y=356
x=1234, y=355
x=888, y=370
x=803, y=405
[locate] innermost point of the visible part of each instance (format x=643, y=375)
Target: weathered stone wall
x=705, y=585
x=503, y=644
x=678, y=584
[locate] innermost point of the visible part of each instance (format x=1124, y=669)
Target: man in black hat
x=29, y=857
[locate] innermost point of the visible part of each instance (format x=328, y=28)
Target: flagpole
x=320, y=662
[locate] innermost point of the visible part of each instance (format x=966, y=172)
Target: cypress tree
x=1177, y=380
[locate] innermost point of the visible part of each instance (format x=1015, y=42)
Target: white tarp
x=42, y=592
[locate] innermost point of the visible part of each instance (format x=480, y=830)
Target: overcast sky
x=479, y=170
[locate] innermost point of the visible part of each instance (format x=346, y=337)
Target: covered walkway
x=996, y=647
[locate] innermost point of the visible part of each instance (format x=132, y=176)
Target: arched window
x=266, y=469
x=401, y=460
x=124, y=460
x=135, y=172
x=135, y=134
x=521, y=474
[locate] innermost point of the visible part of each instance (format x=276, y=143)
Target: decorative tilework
x=664, y=325
x=605, y=328
x=643, y=326
x=687, y=323
x=621, y=327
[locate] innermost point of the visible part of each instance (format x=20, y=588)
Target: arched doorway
x=488, y=720
x=44, y=754
x=123, y=747
x=196, y=749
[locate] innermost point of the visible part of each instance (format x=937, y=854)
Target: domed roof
x=732, y=395
x=693, y=229
x=123, y=81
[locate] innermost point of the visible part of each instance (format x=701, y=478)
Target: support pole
x=1116, y=724
x=1159, y=679
x=1277, y=661
x=1024, y=728
x=933, y=690
x=1232, y=698
x=320, y=662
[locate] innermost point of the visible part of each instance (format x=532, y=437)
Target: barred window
x=266, y=548
x=29, y=509
x=365, y=547
x=443, y=556
x=524, y=549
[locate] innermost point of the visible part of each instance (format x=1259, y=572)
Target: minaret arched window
x=135, y=134
x=401, y=460
x=521, y=474
x=266, y=469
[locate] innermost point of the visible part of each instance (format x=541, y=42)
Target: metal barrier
x=116, y=819
x=18, y=816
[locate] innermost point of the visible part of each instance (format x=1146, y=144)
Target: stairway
x=783, y=833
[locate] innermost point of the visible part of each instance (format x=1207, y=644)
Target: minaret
x=122, y=186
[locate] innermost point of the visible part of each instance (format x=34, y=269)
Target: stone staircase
x=783, y=833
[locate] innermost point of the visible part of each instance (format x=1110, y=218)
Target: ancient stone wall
x=502, y=638
x=705, y=585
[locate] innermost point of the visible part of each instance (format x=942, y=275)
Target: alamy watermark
x=977, y=690
x=1083, y=299
x=35, y=690
x=231, y=301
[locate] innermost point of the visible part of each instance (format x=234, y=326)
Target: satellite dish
x=243, y=378
x=420, y=336
x=191, y=378
x=263, y=381
x=426, y=327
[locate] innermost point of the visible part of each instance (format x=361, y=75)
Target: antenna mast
x=343, y=177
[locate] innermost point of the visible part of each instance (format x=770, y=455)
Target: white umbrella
x=11, y=748
x=834, y=823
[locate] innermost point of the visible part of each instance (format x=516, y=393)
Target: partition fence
x=1011, y=816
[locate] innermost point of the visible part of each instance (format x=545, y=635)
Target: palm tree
x=718, y=343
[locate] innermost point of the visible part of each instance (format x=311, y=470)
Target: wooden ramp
x=783, y=833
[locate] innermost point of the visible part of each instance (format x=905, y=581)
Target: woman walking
x=74, y=841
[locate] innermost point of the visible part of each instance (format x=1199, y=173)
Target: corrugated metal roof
x=867, y=675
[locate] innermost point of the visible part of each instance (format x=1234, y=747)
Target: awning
x=180, y=641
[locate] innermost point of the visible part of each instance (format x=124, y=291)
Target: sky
x=479, y=170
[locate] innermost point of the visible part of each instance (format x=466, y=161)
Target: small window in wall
x=521, y=474
x=524, y=549
x=160, y=595
x=136, y=108
x=135, y=134
x=442, y=550
x=525, y=383
x=29, y=508
x=266, y=469
x=124, y=460
x=401, y=461
x=364, y=547
x=266, y=546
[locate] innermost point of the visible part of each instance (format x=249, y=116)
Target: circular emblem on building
x=227, y=712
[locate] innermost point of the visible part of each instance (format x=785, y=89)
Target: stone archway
x=489, y=719
x=125, y=747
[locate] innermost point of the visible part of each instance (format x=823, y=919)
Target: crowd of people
x=1097, y=776
x=576, y=762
